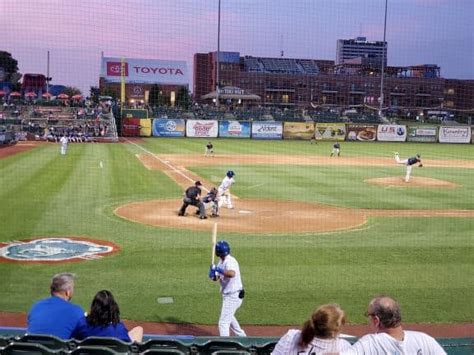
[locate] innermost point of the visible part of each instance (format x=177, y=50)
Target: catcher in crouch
x=409, y=163
x=211, y=201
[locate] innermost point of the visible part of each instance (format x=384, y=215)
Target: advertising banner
x=134, y=113
x=163, y=127
x=298, y=130
x=145, y=127
x=267, y=130
x=145, y=71
x=131, y=127
x=234, y=129
x=202, y=128
x=330, y=131
x=455, y=134
x=361, y=132
x=392, y=133
x=422, y=134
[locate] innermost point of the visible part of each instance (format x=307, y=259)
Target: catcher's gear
x=230, y=174
x=222, y=248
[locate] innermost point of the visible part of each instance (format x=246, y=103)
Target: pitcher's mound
x=260, y=216
x=399, y=181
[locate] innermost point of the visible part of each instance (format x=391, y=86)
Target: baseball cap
x=198, y=183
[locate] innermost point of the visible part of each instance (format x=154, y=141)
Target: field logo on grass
x=61, y=249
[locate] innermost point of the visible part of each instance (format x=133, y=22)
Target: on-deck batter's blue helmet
x=222, y=248
x=230, y=173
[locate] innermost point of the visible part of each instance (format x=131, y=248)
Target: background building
x=371, y=52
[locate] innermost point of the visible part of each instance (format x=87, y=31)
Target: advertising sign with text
x=330, y=131
x=392, y=133
x=298, y=130
x=145, y=71
x=163, y=127
x=202, y=128
x=234, y=129
x=422, y=134
x=267, y=130
x=454, y=134
x=361, y=132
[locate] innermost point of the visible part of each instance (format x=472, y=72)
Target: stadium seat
x=164, y=344
x=218, y=345
x=231, y=352
x=118, y=346
x=27, y=348
x=4, y=341
x=94, y=350
x=49, y=341
x=264, y=349
x=164, y=351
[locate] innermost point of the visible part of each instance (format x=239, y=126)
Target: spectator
x=56, y=315
x=318, y=335
x=104, y=320
x=389, y=337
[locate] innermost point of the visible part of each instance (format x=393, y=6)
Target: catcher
x=211, y=201
x=409, y=163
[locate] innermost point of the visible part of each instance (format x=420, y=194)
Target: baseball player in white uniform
x=409, y=163
x=224, y=195
x=64, y=142
x=227, y=271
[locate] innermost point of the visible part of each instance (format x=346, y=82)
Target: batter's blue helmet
x=222, y=248
x=230, y=173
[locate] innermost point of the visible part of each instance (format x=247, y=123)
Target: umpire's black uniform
x=192, y=197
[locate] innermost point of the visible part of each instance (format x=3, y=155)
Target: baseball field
x=307, y=229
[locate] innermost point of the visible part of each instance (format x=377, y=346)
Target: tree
x=183, y=99
x=71, y=91
x=156, y=97
x=94, y=94
x=9, y=65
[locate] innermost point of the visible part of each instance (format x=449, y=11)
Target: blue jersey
x=413, y=160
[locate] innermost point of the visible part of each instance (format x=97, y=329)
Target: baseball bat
x=214, y=241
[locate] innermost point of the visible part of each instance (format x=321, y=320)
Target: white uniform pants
x=227, y=320
x=63, y=149
x=224, y=198
x=409, y=167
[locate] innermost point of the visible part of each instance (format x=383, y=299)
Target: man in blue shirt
x=56, y=315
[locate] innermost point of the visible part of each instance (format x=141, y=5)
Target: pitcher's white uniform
x=409, y=163
x=64, y=142
x=230, y=288
x=224, y=191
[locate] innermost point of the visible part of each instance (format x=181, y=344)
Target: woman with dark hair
x=104, y=320
x=320, y=334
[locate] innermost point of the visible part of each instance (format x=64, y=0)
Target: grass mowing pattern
x=426, y=263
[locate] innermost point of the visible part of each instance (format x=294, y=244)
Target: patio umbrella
x=15, y=94
x=2, y=93
x=63, y=96
x=47, y=95
x=30, y=94
x=77, y=97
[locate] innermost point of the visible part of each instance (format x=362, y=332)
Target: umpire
x=192, y=196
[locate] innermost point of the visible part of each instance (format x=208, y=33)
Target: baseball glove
x=420, y=166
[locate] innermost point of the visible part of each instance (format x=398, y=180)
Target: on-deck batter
x=227, y=271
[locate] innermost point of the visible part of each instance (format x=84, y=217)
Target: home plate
x=245, y=211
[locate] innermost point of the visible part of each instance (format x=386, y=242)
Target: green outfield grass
x=426, y=263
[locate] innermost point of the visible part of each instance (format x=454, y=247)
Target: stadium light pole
x=218, y=51
x=381, y=98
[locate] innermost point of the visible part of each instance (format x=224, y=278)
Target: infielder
x=64, y=142
x=224, y=196
x=409, y=163
x=336, y=149
x=227, y=271
x=209, y=150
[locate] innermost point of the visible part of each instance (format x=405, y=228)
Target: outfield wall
x=277, y=130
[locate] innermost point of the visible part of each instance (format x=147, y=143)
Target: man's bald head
x=387, y=310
